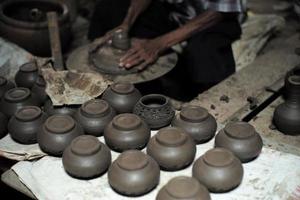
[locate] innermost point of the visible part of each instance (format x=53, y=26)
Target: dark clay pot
x=5, y=85
x=183, y=187
x=197, y=122
x=127, y=131
x=60, y=110
x=24, y=22
x=133, y=173
x=219, y=170
x=16, y=98
x=94, y=115
x=155, y=109
x=25, y=124
x=240, y=138
x=120, y=40
x=39, y=88
x=57, y=133
x=287, y=115
x=27, y=75
x=86, y=157
x=3, y=125
x=122, y=96
x=172, y=148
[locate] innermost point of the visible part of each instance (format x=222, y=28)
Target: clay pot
x=197, y=122
x=172, y=148
x=27, y=75
x=126, y=131
x=25, y=124
x=86, y=157
x=39, y=88
x=133, y=173
x=3, y=125
x=16, y=98
x=240, y=138
x=57, y=133
x=94, y=115
x=155, y=109
x=120, y=40
x=60, y=110
x=5, y=85
x=219, y=170
x=122, y=96
x=287, y=115
x=24, y=22
x=183, y=187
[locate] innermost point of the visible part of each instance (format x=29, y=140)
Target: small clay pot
x=122, y=96
x=183, y=187
x=3, y=125
x=133, y=173
x=86, y=157
x=172, y=148
x=39, y=88
x=27, y=75
x=94, y=115
x=219, y=170
x=60, y=110
x=126, y=131
x=57, y=133
x=5, y=85
x=242, y=139
x=120, y=40
x=16, y=98
x=197, y=122
x=25, y=124
x=155, y=109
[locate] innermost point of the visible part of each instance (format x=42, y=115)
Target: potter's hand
x=143, y=53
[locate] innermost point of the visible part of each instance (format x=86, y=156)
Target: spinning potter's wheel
x=105, y=61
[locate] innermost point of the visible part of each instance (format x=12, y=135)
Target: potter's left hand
x=143, y=53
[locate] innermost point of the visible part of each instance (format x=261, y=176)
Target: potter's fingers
x=132, y=59
x=144, y=65
x=129, y=53
x=134, y=62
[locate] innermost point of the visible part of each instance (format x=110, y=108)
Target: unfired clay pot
x=57, y=133
x=219, y=170
x=133, y=173
x=126, y=131
x=27, y=75
x=5, y=85
x=172, y=148
x=122, y=96
x=60, y=110
x=183, y=187
x=197, y=122
x=3, y=125
x=86, y=157
x=25, y=124
x=120, y=40
x=94, y=115
x=39, y=88
x=240, y=138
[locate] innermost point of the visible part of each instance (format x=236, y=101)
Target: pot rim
x=32, y=25
x=155, y=97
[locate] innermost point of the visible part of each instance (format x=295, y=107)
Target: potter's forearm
x=199, y=23
x=135, y=9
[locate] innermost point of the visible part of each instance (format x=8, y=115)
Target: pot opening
x=295, y=79
x=154, y=101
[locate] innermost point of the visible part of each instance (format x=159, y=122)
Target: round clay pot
x=39, y=88
x=287, y=115
x=3, y=126
x=197, y=122
x=120, y=40
x=240, y=138
x=25, y=124
x=122, y=96
x=5, y=85
x=172, y=148
x=57, y=133
x=86, y=157
x=24, y=22
x=60, y=110
x=155, y=109
x=133, y=173
x=16, y=98
x=94, y=115
x=219, y=170
x=27, y=75
x=183, y=187
x=126, y=131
